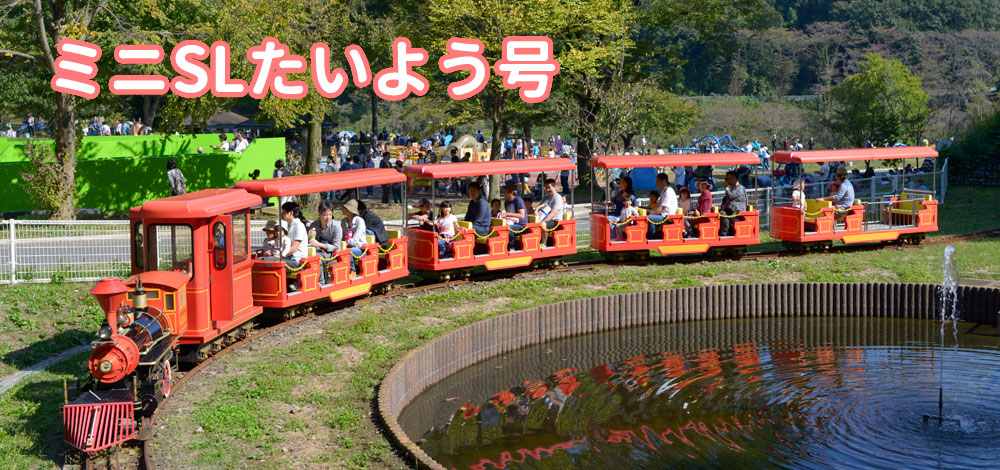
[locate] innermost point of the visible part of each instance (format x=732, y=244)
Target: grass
x=40, y=320
x=329, y=376
x=30, y=423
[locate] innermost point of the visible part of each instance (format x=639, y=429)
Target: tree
x=30, y=31
x=297, y=24
x=882, y=103
x=632, y=109
x=489, y=21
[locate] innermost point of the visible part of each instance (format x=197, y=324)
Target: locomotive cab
x=204, y=236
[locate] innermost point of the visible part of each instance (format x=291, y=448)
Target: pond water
x=765, y=393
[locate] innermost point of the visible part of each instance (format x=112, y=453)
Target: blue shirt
x=844, y=198
x=514, y=205
x=479, y=213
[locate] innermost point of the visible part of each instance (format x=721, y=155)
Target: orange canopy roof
x=500, y=167
x=199, y=205
x=305, y=184
x=695, y=159
x=878, y=153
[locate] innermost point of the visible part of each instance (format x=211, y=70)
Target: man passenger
x=325, y=235
x=667, y=204
x=550, y=211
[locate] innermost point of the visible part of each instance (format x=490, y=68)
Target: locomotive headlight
x=105, y=332
x=105, y=366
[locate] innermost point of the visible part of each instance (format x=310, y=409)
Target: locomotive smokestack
x=109, y=294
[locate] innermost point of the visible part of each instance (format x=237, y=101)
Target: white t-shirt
x=446, y=225
x=553, y=204
x=240, y=146
x=798, y=199
x=358, y=239
x=668, y=201
x=297, y=231
x=628, y=212
x=224, y=145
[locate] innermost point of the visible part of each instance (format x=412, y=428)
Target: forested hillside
x=807, y=46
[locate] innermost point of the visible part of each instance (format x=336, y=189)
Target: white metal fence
x=54, y=250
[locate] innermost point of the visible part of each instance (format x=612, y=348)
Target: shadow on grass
x=30, y=421
x=45, y=348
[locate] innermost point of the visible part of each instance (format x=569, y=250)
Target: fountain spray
x=949, y=314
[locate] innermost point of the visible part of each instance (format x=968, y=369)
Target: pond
x=758, y=393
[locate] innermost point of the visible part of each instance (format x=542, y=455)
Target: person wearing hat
x=843, y=199
x=799, y=194
x=356, y=232
x=271, y=242
x=734, y=202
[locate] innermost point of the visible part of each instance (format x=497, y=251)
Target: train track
x=425, y=287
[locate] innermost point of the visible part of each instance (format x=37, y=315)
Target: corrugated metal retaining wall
x=470, y=344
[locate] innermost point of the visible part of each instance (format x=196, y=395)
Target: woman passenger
x=356, y=233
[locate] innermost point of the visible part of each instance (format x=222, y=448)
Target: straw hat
x=351, y=206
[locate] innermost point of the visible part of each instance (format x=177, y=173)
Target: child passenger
x=495, y=208
x=628, y=211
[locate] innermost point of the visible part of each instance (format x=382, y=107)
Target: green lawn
x=40, y=320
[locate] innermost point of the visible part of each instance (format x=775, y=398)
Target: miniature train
x=196, y=285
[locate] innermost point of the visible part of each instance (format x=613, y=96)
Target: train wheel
x=640, y=256
x=737, y=252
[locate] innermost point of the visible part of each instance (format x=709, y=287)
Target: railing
x=67, y=250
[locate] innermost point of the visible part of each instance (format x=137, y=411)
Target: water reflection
x=783, y=397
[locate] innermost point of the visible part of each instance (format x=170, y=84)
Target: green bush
x=979, y=145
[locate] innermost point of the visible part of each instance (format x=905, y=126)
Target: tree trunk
x=374, y=104
x=314, y=151
x=494, y=156
x=65, y=154
x=627, y=141
x=584, y=134
x=150, y=106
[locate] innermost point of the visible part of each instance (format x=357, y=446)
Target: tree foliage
x=44, y=182
x=980, y=144
x=884, y=102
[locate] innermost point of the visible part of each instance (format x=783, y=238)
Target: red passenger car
x=378, y=265
x=705, y=235
x=496, y=250
x=907, y=215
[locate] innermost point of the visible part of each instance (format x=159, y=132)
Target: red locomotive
x=197, y=286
